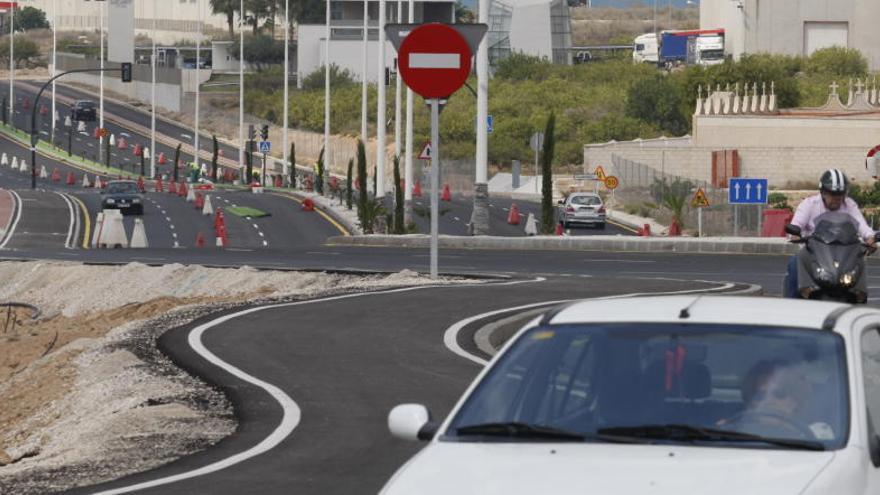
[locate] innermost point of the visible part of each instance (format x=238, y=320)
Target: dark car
x=123, y=195
x=84, y=110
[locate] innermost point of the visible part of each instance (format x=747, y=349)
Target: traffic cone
x=308, y=205
x=85, y=182
x=159, y=186
x=513, y=217
x=200, y=201
x=162, y=159
x=531, y=225
x=25, y=169
x=138, y=150
x=222, y=240
x=112, y=140
x=172, y=187
x=97, y=182
x=559, y=230
x=190, y=195
x=674, y=229
x=447, y=196
x=139, y=235
x=4, y=160
x=71, y=180
x=200, y=240
x=56, y=175
x=140, y=184
x=183, y=191
x=14, y=163
x=121, y=144
x=44, y=173
x=44, y=110
x=417, y=190
x=207, y=207
x=219, y=221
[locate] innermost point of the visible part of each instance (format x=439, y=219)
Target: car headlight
x=110, y=201
x=136, y=200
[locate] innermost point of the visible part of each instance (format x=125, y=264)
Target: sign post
x=536, y=142
x=700, y=201
x=743, y=191
x=434, y=61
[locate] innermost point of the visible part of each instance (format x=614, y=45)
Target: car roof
x=122, y=181
x=701, y=309
x=584, y=194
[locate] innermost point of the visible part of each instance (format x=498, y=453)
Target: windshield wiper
x=678, y=432
x=520, y=430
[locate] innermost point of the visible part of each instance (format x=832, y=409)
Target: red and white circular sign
x=434, y=60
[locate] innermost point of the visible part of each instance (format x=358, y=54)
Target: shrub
x=837, y=61
x=338, y=77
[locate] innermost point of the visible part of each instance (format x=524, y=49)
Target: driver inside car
x=777, y=397
x=833, y=188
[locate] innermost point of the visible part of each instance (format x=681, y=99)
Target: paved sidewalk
x=7, y=208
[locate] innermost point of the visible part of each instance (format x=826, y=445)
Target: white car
x=582, y=209
x=664, y=395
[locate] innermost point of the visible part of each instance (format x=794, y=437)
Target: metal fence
x=646, y=191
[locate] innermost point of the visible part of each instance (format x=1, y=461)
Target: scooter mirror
x=792, y=229
x=877, y=236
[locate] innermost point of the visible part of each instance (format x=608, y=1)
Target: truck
x=695, y=47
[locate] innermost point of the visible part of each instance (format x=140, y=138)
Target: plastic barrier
x=774, y=222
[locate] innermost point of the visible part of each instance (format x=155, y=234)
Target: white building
x=535, y=27
x=346, y=34
x=795, y=27
x=176, y=20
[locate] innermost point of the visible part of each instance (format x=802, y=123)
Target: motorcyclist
x=833, y=188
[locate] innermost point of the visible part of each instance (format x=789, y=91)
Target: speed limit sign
x=611, y=182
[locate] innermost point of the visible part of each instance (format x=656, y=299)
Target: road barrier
x=207, y=207
x=112, y=233
x=139, y=235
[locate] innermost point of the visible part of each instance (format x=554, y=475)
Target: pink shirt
x=812, y=207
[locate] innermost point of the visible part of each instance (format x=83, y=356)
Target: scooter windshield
x=835, y=227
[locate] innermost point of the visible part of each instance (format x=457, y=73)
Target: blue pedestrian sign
x=490, y=124
x=747, y=191
x=265, y=146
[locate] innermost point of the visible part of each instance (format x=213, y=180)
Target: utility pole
x=480, y=215
x=408, y=161
x=12, y=65
x=198, y=83
x=153, y=56
x=327, y=89
x=241, y=91
x=103, y=10
x=397, y=93
x=285, y=150
x=54, y=63
x=364, y=76
x=380, y=110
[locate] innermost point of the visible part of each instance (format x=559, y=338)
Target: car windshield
x=122, y=188
x=585, y=200
x=746, y=386
x=86, y=104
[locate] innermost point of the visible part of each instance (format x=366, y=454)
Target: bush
x=657, y=100
x=25, y=50
x=338, y=78
x=30, y=18
x=778, y=201
x=837, y=61
x=260, y=50
x=521, y=67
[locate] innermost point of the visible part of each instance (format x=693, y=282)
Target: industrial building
x=795, y=27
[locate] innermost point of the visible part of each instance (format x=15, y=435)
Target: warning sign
x=600, y=173
x=700, y=200
x=611, y=182
x=426, y=152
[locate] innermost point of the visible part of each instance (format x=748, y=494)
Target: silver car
x=582, y=208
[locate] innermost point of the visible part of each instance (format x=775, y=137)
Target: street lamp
x=241, y=89
x=12, y=64
x=285, y=166
x=153, y=55
x=54, y=63
x=198, y=81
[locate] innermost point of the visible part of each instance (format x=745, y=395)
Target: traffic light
x=126, y=72
x=264, y=132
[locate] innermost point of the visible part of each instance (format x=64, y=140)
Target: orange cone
x=56, y=175
x=417, y=190
x=159, y=186
x=447, y=196
x=513, y=217
x=200, y=240
x=172, y=187
x=200, y=201
x=308, y=205
x=162, y=159
x=71, y=180
x=140, y=184
x=121, y=144
x=182, y=190
x=219, y=221
x=559, y=230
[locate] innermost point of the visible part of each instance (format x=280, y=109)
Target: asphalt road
x=345, y=368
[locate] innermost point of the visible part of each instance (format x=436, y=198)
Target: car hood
x=516, y=468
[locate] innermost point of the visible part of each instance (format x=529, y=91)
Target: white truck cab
x=710, y=50
x=664, y=395
x=646, y=49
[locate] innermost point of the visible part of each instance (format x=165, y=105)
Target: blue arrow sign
x=747, y=191
x=265, y=146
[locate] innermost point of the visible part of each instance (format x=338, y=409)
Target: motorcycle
x=835, y=258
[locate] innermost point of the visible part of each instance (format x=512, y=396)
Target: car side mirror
x=874, y=449
x=792, y=229
x=411, y=422
x=561, y=201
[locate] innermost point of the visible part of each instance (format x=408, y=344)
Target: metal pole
x=760, y=218
x=699, y=222
x=398, y=91
x=101, y=90
x=241, y=144
x=408, y=160
x=12, y=65
x=54, y=63
x=153, y=56
x=480, y=216
x=327, y=90
x=285, y=152
x=735, y=220
x=364, y=77
x=198, y=86
x=380, y=111
x=435, y=183
x=536, y=165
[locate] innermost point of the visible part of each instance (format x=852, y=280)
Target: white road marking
x=265, y=244
x=67, y=243
x=256, y=226
x=174, y=235
x=261, y=235
x=171, y=225
x=11, y=230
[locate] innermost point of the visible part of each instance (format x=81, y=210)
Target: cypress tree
x=548, y=213
x=292, y=159
x=214, y=159
x=398, y=199
x=348, y=184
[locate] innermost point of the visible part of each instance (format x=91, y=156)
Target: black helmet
x=834, y=181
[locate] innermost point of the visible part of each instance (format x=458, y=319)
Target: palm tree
x=227, y=7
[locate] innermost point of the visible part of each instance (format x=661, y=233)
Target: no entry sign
x=434, y=60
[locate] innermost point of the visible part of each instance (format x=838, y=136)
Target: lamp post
x=198, y=80
x=408, y=160
x=153, y=93
x=12, y=64
x=285, y=166
x=241, y=90
x=380, y=110
x=101, y=89
x=327, y=89
x=54, y=63
x=480, y=215
x=364, y=76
